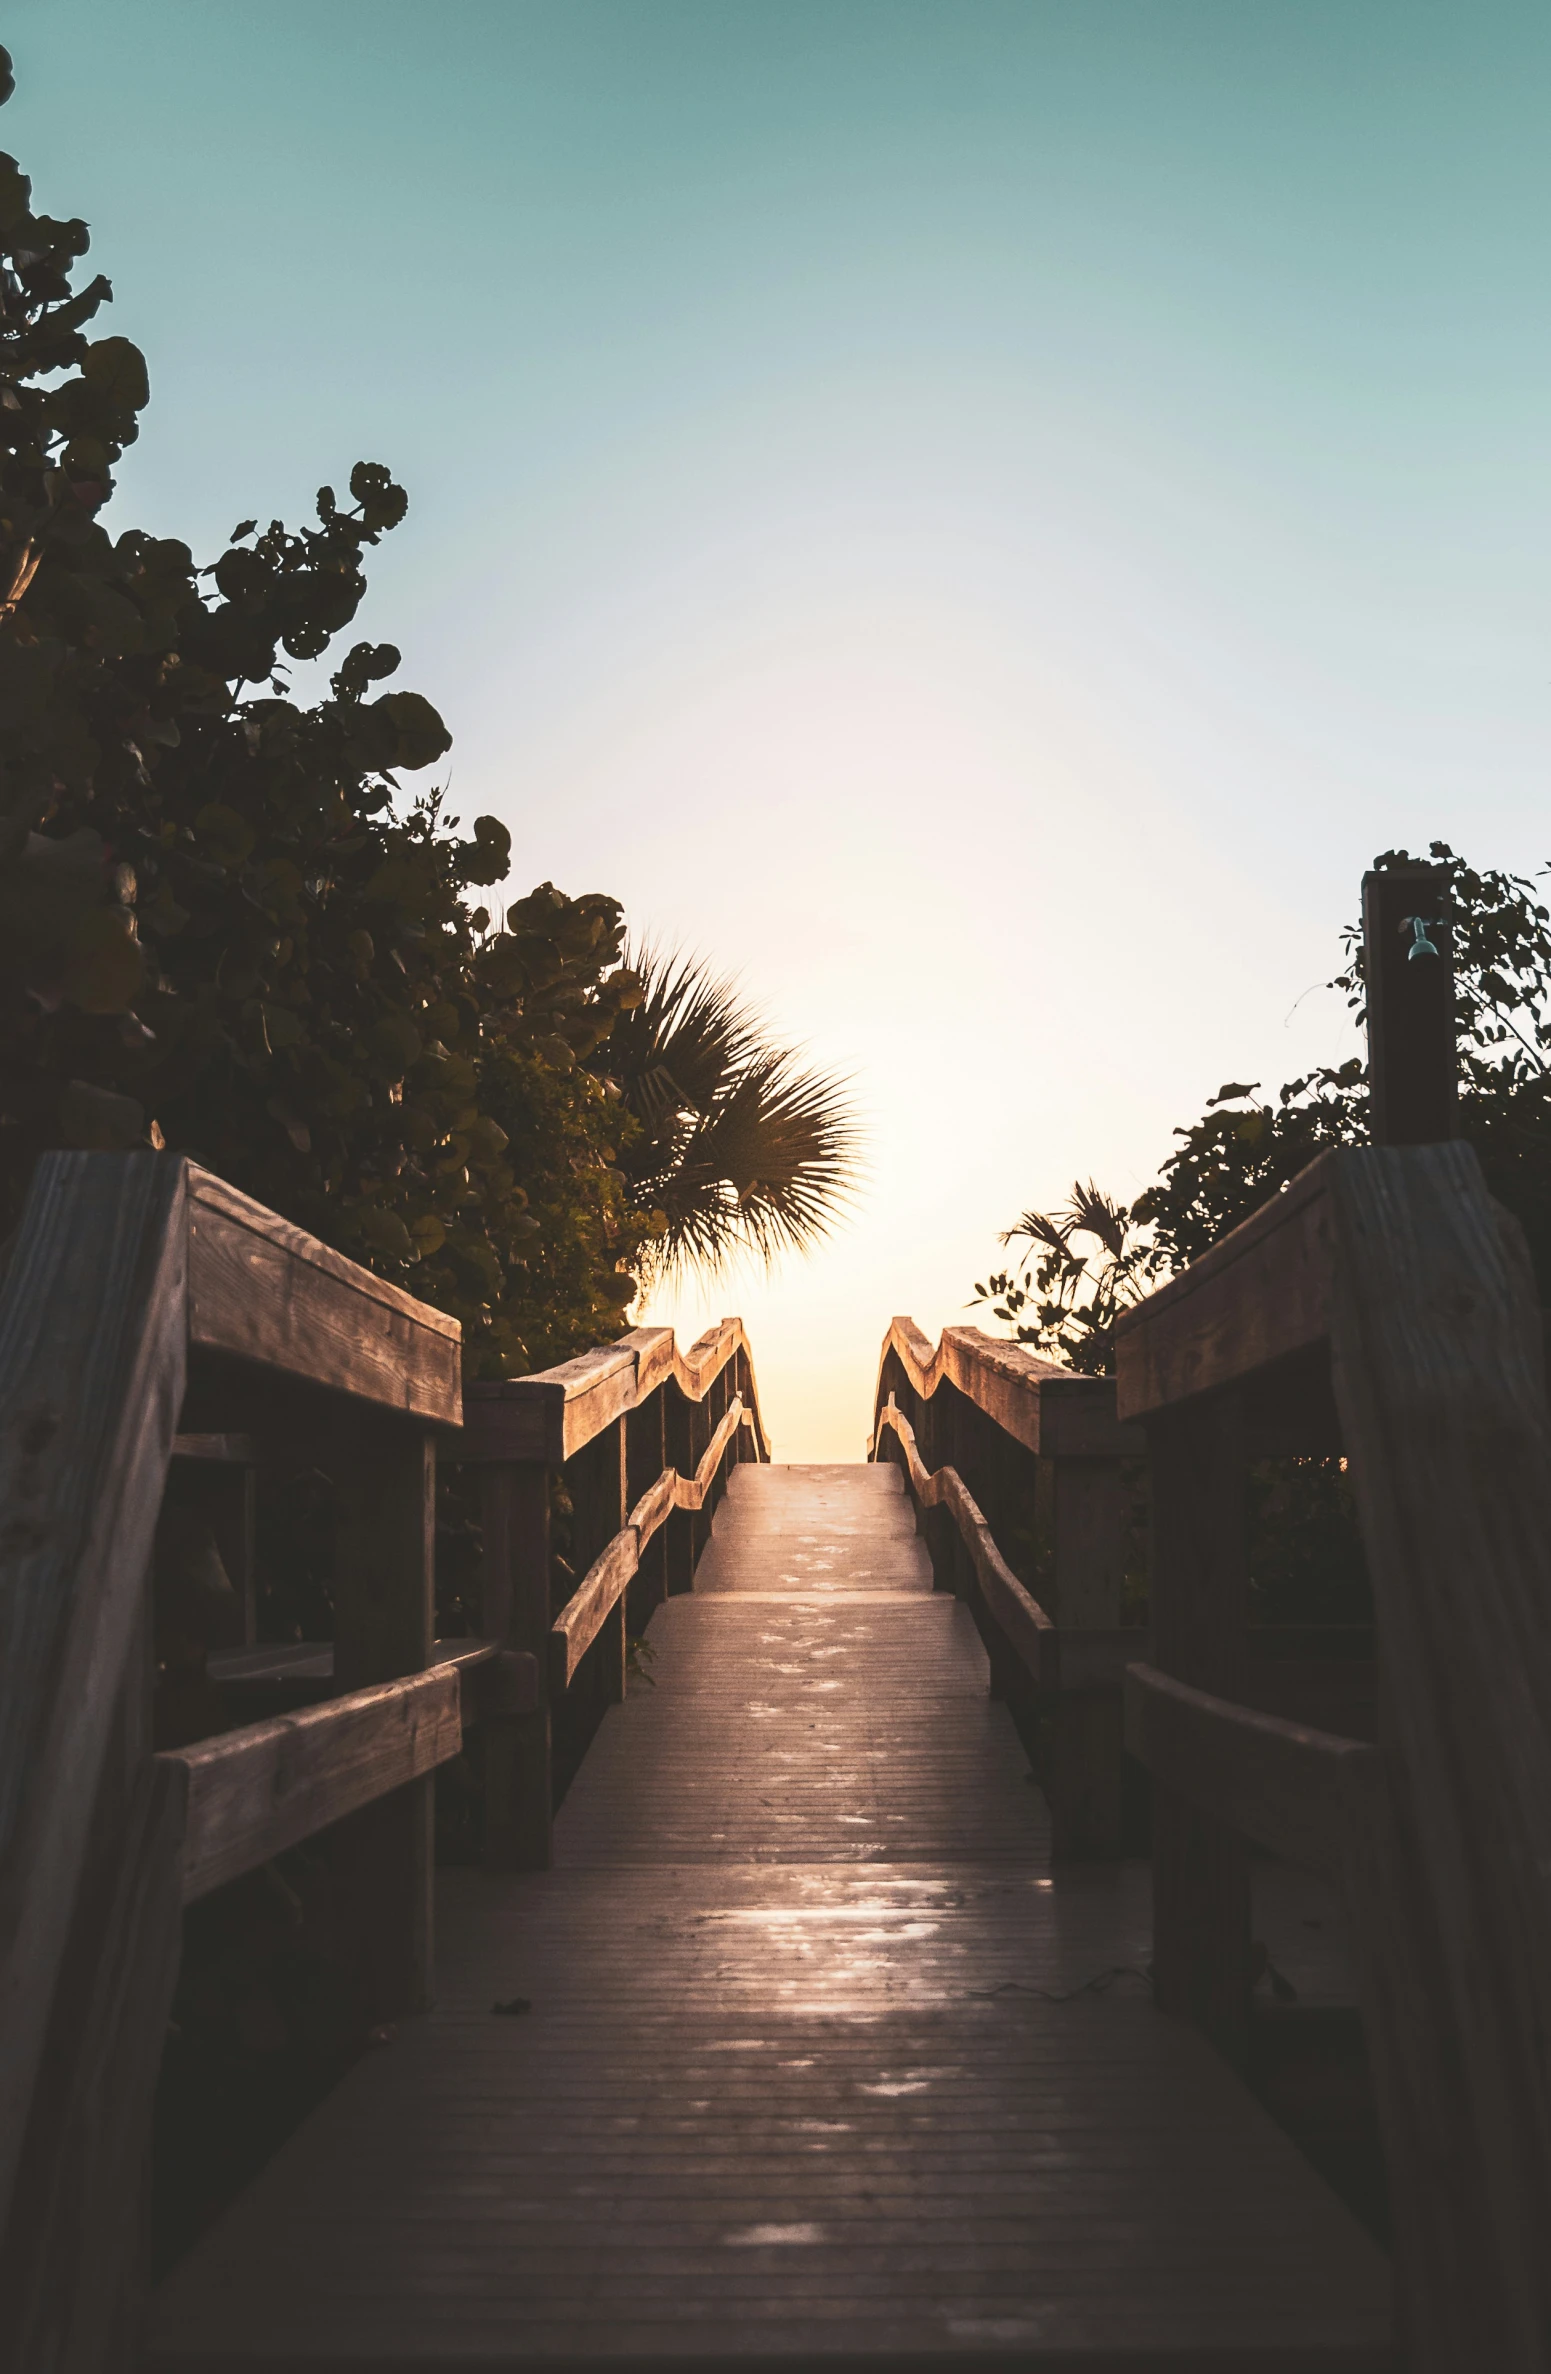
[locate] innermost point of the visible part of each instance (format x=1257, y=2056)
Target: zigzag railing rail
x=1027, y=1629
x=1015, y=1464
x=612, y=1571
x=599, y=1479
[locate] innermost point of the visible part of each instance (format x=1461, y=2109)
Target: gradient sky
x=980, y=518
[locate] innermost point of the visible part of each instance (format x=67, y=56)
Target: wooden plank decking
x=825, y=2062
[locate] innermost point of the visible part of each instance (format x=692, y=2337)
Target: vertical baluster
x=678, y=1440
x=519, y=1752
x=1081, y=1527
x=1200, y=1867
x=385, y=1599
x=613, y=1641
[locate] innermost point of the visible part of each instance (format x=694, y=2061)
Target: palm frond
x=1093, y=1213
x=740, y=1145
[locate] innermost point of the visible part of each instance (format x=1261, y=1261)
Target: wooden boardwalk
x=824, y=2061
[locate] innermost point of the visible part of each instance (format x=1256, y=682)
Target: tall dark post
x=1410, y=984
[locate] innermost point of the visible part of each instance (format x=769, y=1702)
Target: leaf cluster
x=1084, y=1265
x=224, y=923
x=1245, y=1148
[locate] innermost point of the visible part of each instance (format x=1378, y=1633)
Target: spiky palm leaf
x=739, y=1145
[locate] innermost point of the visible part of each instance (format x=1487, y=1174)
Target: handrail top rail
x=1048, y=1409
x=1258, y=1296
x=265, y=1291
x=217, y=1195
x=556, y=1412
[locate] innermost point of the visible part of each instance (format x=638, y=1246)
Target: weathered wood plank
x=609, y=1576
x=252, y=1793
x=264, y=1291
x=1259, y=1296
x=655, y=1506
x=587, y=1610
x=72, y=2269
x=690, y=1491
x=519, y=1783
x=1028, y=1630
x=384, y=1630
x=557, y=1412
x=92, y=1349
x=1298, y=1791
x=1047, y=1409
x=1436, y=1354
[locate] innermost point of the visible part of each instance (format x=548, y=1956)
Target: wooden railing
x=149, y=1309
x=599, y=1480
x=1382, y=1307
x=1015, y=1464
x=163, y=1339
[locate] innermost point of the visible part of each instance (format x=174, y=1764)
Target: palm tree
x=1074, y=1297
x=739, y=1145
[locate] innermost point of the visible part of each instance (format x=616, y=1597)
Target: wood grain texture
x=1029, y=1632
x=1436, y=1359
x=252, y=1793
x=555, y=1413
x=1305, y=1794
x=92, y=1357
x=1260, y=1296
x=609, y=1576
x=267, y=1292
x=1044, y=1407
x=72, y=2275
x=826, y=2064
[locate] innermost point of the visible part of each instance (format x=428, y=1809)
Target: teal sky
x=982, y=517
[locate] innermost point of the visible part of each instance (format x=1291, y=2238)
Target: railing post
x=1412, y=1062
x=700, y=1423
x=613, y=1642
x=678, y=1452
x=1080, y=1528
x=519, y=1758
x=385, y=1620
x=647, y=1457
x=1201, y=1927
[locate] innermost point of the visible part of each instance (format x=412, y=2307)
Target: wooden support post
x=648, y=1456
x=519, y=1761
x=700, y=1425
x=678, y=1442
x=612, y=1641
x=1412, y=1062
x=1201, y=1961
x=385, y=1621
x=720, y=1401
x=1080, y=1524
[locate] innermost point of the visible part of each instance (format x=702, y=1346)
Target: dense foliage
x=1084, y=1264
x=222, y=925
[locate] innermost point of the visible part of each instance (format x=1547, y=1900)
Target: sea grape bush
x=224, y=925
